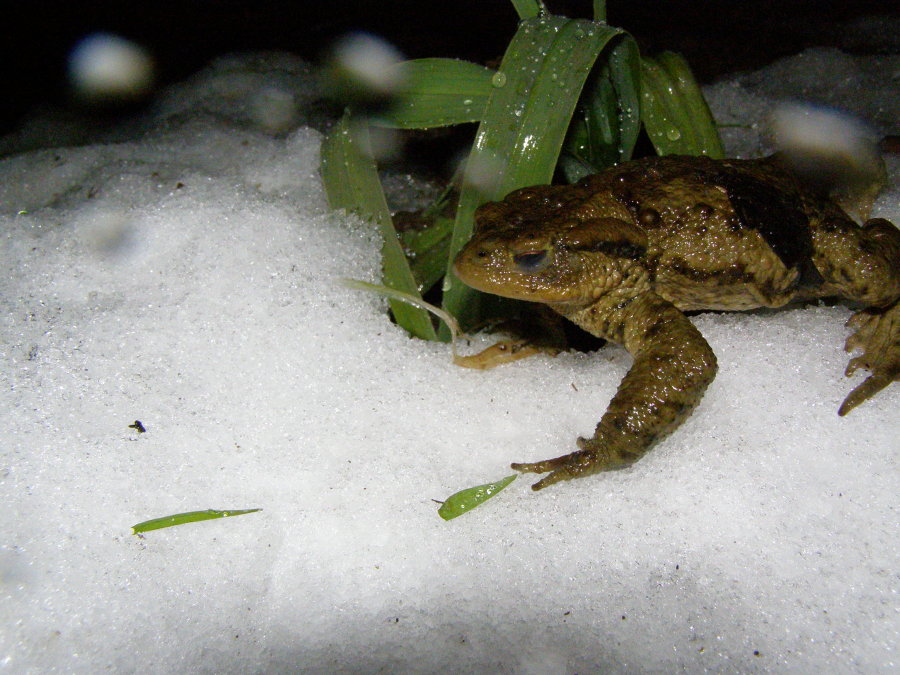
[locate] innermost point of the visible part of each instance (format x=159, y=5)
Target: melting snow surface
x=182, y=271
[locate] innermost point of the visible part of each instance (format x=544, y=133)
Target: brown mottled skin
x=623, y=253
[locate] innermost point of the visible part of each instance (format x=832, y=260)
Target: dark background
x=184, y=35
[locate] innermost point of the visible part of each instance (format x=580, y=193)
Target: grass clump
x=569, y=99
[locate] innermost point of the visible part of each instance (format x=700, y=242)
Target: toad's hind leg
x=863, y=264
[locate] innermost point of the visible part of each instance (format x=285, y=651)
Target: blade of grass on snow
x=189, y=517
x=519, y=139
x=437, y=93
x=351, y=183
x=673, y=109
x=466, y=500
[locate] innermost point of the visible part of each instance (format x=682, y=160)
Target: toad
x=624, y=253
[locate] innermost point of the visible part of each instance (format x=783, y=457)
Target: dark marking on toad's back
x=625, y=252
x=776, y=214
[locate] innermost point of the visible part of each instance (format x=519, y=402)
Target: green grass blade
x=351, y=183
x=674, y=112
x=600, y=10
x=625, y=75
x=414, y=300
x=528, y=9
x=189, y=517
x=607, y=123
x=419, y=241
x=519, y=139
x=437, y=93
x=466, y=500
x=428, y=251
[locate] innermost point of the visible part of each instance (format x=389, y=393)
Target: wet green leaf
x=528, y=9
x=428, y=251
x=189, y=517
x=674, y=112
x=437, y=93
x=607, y=121
x=466, y=500
x=351, y=182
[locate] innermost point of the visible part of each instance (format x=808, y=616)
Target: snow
x=182, y=270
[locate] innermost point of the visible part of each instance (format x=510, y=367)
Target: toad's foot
x=594, y=456
x=505, y=351
x=878, y=335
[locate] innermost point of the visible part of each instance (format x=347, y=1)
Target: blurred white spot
x=833, y=151
x=104, y=67
x=384, y=143
x=484, y=173
x=109, y=232
x=368, y=62
x=379, y=143
x=815, y=130
x=275, y=110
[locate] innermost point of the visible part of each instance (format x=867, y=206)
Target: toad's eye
x=531, y=261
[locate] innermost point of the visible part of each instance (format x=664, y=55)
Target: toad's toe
x=593, y=457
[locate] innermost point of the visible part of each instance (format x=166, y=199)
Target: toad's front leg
x=878, y=335
x=673, y=365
